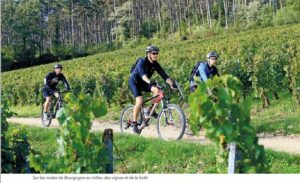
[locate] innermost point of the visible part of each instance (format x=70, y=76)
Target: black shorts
x=48, y=92
x=138, y=86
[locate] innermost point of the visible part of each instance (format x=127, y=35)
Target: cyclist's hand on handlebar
x=174, y=87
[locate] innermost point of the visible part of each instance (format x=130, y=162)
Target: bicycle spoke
x=126, y=120
x=171, y=123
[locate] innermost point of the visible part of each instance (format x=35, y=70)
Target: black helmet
x=58, y=66
x=212, y=54
x=151, y=48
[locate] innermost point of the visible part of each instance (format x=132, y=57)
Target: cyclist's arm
x=162, y=73
x=203, y=74
x=146, y=79
x=64, y=80
x=169, y=81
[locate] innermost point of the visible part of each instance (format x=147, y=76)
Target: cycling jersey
x=144, y=67
x=51, y=81
x=207, y=71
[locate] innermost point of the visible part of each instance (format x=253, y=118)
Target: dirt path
x=290, y=144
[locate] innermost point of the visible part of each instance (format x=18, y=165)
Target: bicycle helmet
x=58, y=66
x=212, y=54
x=152, y=48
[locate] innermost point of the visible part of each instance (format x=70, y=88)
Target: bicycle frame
x=157, y=99
x=161, y=96
x=57, y=103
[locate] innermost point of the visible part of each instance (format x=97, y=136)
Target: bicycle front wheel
x=171, y=123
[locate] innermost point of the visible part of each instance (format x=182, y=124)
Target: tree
x=124, y=19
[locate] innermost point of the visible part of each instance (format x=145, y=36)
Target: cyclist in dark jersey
x=51, y=81
x=140, y=79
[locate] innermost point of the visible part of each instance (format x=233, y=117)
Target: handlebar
x=179, y=89
x=161, y=87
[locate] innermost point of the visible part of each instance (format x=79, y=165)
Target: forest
x=36, y=32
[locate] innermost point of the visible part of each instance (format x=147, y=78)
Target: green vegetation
x=282, y=117
x=79, y=150
x=218, y=106
x=34, y=111
x=142, y=155
x=109, y=75
x=26, y=111
x=14, y=145
x=266, y=61
x=39, y=32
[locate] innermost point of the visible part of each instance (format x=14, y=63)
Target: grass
x=26, y=111
x=34, y=111
x=281, y=117
x=41, y=139
x=283, y=162
x=143, y=155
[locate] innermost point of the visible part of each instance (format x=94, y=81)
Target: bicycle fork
x=168, y=115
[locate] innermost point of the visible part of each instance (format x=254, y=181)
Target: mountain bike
x=171, y=120
x=55, y=105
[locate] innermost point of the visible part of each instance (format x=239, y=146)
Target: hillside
x=266, y=61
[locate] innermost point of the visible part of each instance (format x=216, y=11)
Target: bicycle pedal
x=144, y=125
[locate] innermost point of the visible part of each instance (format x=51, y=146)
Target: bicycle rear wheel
x=127, y=119
x=171, y=123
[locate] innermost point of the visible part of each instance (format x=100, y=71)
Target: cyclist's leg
x=47, y=96
x=47, y=104
x=137, y=93
x=56, y=93
x=147, y=88
x=138, y=104
x=155, y=90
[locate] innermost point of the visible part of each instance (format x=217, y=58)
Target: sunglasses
x=154, y=53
